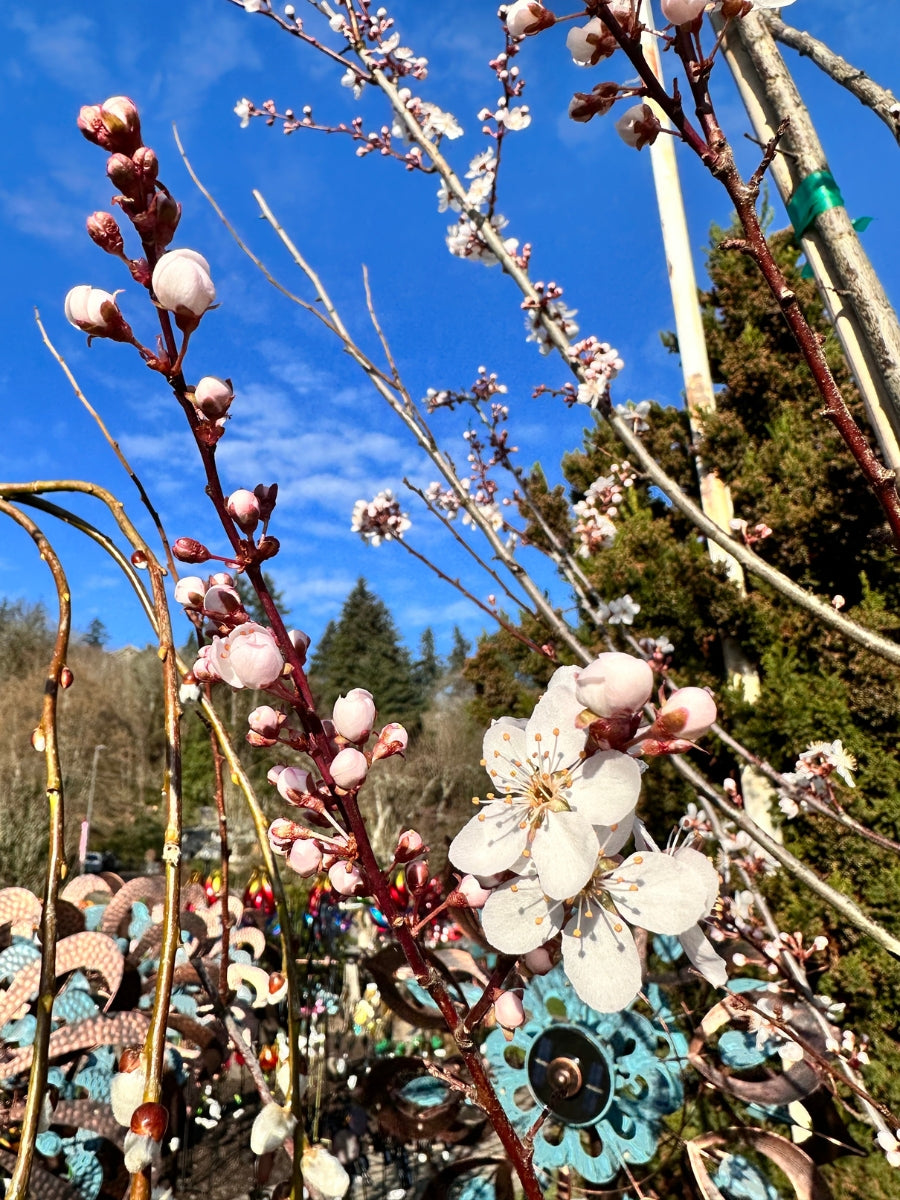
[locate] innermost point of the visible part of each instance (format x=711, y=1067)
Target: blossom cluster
x=379, y=519
x=595, y=512
x=548, y=842
x=811, y=774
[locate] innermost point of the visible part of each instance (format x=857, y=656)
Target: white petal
x=657, y=892
x=608, y=787
x=613, y=837
x=704, y=869
x=491, y=841
x=518, y=917
x=699, y=950
x=603, y=963
x=564, y=851
x=554, y=720
x=504, y=743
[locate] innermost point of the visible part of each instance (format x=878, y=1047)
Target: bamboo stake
x=863, y=318
x=715, y=495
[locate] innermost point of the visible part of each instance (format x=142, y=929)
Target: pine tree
x=363, y=649
x=427, y=669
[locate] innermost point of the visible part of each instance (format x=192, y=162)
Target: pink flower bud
x=183, y=285
x=115, y=124
x=127, y=178
x=293, y=784
x=409, y=846
x=96, y=313
x=266, y=720
x=104, y=231
x=472, y=892
x=682, y=12
x=147, y=163
x=282, y=835
x=393, y=739
x=189, y=550
x=212, y=397
x=538, y=961
x=614, y=684
x=249, y=657
x=527, y=17
x=687, y=714
x=243, y=508
x=300, y=641
x=222, y=601
x=190, y=589
x=305, y=857
x=346, y=881
x=220, y=579
x=349, y=769
x=509, y=1010
x=638, y=126
x=354, y=715
x=589, y=43
x=204, y=669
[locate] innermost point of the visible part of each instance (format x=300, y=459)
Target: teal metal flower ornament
x=606, y=1080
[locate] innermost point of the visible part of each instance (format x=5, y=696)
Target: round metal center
x=569, y=1074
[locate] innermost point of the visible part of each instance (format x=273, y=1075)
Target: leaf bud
x=150, y=1120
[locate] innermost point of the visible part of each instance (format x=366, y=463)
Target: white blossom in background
x=380, y=519
x=635, y=414
x=822, y=757
x=560, y=314
x=437, y=123
x=600, y=363
x=242, y=109
x=465, y=241
x=622, y=611
x=353, y=80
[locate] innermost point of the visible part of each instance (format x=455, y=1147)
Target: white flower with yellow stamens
x=654, y=891
x=549, y=797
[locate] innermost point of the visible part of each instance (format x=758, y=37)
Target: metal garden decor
x=590, y=1088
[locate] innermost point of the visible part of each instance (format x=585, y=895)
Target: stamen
x=576, y=933
x=538, y=737
x=538, y=920
x=481, y=816
x=617, y=927
x=505, y=738
x=633, y=888
x=476, y=800
x=639, y=858
x=514, y=887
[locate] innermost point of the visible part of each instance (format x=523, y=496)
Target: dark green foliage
x=251, y=601
x=363, y=649
x=427, y=669
x=95, y=634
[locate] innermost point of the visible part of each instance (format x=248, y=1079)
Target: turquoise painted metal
x=607, y=1079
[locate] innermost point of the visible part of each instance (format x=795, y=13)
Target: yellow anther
x=633, y=888
x=481, y=816
x=639, y=858
x=506, y=737
x=538, y=920
x=617, y=927
x=556, y=733
x=514, y=888
x=538, y=738
x=576, y=933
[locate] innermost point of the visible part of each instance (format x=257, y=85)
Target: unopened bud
x=349, y=769
x=527, y=17
x=188, y=550
x=115, y=124
x=125, y=175
x=346, y=881
x=243, y=508
x=66, y=678
x=96, y=313
x=150, y=1120
x=190, y=590
x=417, y=876
x=638, y=126
x=596, y=103
x=104, y=231
x=686, y=714
x=182, y=284
x=393, y=739
x=305, y=858
x=509, y=1010
x=409, y=846
x=147, y=163
x=168, y=216
x=212, y=397
x=354, y=715
x=267, y=547
x=682, y=12
x=471, y=892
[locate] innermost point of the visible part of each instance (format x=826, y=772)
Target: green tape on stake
x=816, y=194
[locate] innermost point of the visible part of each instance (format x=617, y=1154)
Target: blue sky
x=304, y=416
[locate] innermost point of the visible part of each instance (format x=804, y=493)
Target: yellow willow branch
x=56, y=864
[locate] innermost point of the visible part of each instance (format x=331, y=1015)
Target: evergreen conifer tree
x=363, y=649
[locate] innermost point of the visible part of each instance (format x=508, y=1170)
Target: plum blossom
x=681, y=12
x=622, y=611
x=379, y=519
x=272, y=1126
x=888, y=1142
x=96, y=313
x=323, y=1174
x=436, y=123
x=354, y=715
x=614, y=684
x=550, y=797
x=638, y=126
x=821, y=758
x=650, y=890
x=243, y=109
